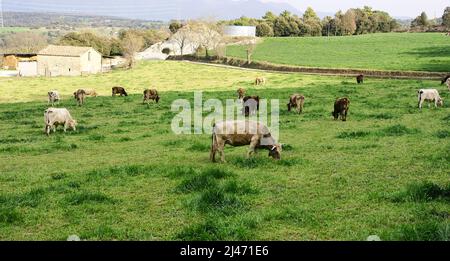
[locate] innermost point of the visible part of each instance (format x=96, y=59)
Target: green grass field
x=5, y=30
x=392, y=51
x=123, y=175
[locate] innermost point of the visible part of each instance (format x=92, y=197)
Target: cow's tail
x=212, y=154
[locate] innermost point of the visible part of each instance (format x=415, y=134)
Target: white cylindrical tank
x=234, y=30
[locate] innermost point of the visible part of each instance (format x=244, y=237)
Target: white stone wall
x=92, y=66
x=58, y=65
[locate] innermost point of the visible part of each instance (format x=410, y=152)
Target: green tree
x=446, y=17
x=310, y=14
x=285, y=14
x=101, y=44
x=264, y=30
x=424, y=19
x=175, y=26
x=329, y=26
x=312, y=22
x=270, y=17
x=281, y=27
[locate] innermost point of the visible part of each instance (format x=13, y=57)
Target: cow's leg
x=220, y=148
x=345, y=115
x=66, y=124
x=253, y=143
x=212, y=154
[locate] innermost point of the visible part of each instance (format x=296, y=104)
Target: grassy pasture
x=123, y=175
x=6, y=30
x=391, y=51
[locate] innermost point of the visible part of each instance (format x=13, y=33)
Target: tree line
x=354, y=21
x=422, y=23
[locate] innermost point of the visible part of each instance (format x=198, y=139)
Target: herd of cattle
x=226, y=132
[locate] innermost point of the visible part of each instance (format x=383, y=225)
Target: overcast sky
x=222, y=9
x=410, y=8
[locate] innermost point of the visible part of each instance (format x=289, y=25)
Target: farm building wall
x=11, y=61
x=27, y=68
x=91, y=62
x=59, y=65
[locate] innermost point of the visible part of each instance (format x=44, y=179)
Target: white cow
x=53, y=96
x=430, y=95
x=54, y=117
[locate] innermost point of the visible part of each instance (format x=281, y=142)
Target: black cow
x=341, y=107
x=360, y=79
x=119, y=90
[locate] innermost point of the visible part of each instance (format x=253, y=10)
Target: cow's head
x=275, y=151
x=73, y=124
x=440, y=102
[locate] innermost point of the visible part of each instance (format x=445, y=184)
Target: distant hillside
x=58, y=20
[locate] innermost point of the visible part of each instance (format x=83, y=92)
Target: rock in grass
x=373, y=238
x=73, y=238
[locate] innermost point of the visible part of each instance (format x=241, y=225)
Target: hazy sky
x=225, y=9
x=411, y=8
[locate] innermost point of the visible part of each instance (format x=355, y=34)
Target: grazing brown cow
x=296, y=101
x=360, y=79
x=241, y=93
x=151, y=95
x=90, y=92
x=260, y=81
x=250, y=105
x=341, y=107
x=119, y=90
x=79, y=95
x=241, y=133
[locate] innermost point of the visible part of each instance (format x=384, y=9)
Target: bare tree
x=348, y=23
x=25, y=42
x=210, y=35
x=204, y=34
x=182, y=38
x=131, y=44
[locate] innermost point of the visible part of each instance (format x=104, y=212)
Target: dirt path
x=233, y=63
